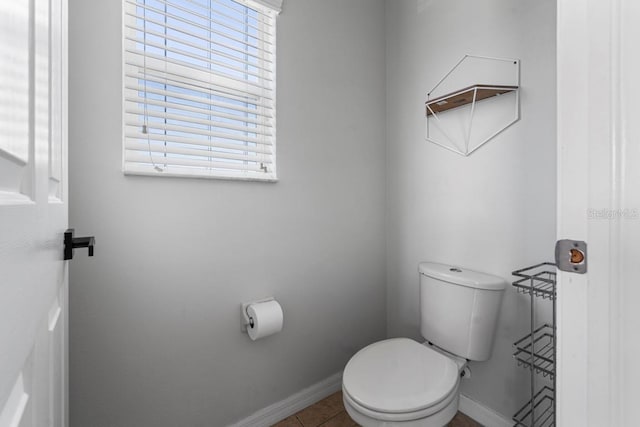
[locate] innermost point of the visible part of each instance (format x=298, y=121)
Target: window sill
x=268, y=178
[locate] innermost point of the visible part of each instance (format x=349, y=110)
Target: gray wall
x=493, y=211
x=155, y=335
x=155, y=330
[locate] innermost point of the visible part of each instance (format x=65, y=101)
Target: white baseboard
x=292, y=404
x=485, y=416
x=280, y=410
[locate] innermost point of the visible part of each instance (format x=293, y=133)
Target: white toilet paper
x=267, y=319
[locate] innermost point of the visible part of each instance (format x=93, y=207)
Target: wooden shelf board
x=465, y=96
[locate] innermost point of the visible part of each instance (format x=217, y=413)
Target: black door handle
x=71, y=243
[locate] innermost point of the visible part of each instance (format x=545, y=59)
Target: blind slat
x=263, y=147
x=199, y=121
x=199, y=94
x=250, y=61
x=187, y=172
x=137, y=58
x=175, y=85
x=250, y=156
x=222, y=15
x=186, y=31
x=265, y=14
x=177, y=51
x=168, y=15
x=211, y=41
x=194, y=85
x=205, y=100
x=165, y=127
x=240, y=117
x=138, y=157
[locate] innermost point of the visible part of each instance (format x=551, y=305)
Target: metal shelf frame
x=470, y=95
x=539, y=280
x=541, y=406
x=536, y=351
x=542, y=358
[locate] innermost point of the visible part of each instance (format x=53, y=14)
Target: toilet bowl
x=399, y=382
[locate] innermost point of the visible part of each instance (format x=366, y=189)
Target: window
x=199, y=88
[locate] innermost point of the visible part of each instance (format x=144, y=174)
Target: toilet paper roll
x=267, y=319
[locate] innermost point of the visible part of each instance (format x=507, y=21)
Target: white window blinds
x=199, y=88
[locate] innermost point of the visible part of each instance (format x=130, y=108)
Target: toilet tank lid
x=462, y=276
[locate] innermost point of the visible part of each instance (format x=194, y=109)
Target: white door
x=599, y=202
x=33, y=213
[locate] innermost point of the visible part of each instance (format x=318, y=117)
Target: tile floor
x=330, y=412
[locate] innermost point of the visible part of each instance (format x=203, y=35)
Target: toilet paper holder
x=247, y=321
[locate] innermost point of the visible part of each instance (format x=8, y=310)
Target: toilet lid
x=399, y=375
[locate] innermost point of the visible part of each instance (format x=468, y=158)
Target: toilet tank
x=459, y=309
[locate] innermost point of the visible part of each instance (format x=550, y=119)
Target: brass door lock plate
x=571, y=256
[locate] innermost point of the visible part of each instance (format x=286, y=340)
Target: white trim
x=275, y=5
x=197, y=143
x=573, y=96
x=13, y=412
x=596, y=311
x=280, y=410
x=482, y=414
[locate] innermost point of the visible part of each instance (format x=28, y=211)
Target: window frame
x=265, y=106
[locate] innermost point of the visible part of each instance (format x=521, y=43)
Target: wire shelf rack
x=539, y=411
x=537, y=353
x=538, y=280
x=537, y=350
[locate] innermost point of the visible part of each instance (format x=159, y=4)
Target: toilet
x=401, y=382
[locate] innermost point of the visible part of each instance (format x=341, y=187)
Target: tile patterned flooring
x=330, y=412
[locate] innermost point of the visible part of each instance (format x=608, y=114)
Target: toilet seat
x=399, y=379
x=400, y=417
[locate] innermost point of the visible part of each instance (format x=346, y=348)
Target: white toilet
x=400, y=382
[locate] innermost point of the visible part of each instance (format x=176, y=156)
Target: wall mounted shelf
x=465, y=96
x=453, y=131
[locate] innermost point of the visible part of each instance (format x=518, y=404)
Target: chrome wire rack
x=539, y=354
x=539, y=280
x=540, y=408
x=536, y=351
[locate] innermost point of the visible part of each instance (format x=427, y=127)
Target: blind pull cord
x=145, y=126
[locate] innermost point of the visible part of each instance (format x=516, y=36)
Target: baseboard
x=270, y=415
x=485, y=416
x=292, y=404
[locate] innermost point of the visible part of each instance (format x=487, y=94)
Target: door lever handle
x=71, y=243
